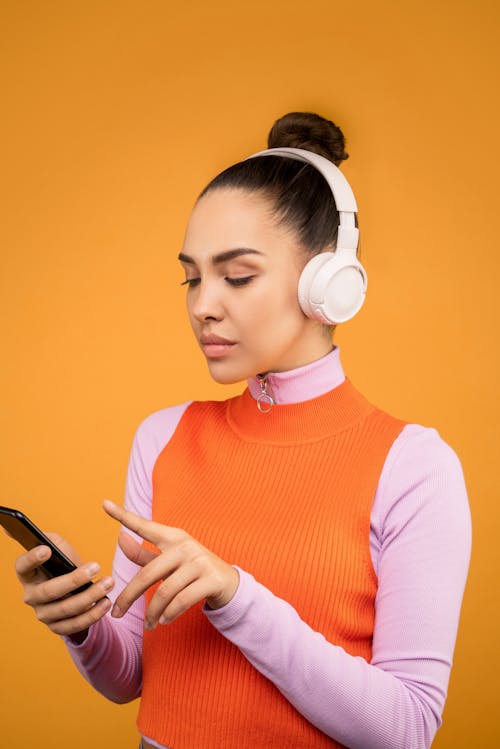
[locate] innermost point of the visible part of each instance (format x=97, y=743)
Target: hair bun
x=311, y=132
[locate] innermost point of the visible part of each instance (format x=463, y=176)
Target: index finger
x=156, y=533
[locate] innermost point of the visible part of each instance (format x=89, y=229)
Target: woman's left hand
x=189, y=571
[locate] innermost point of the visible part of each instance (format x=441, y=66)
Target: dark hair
x=300, y=195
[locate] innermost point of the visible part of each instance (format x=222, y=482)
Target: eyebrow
x=222, y=257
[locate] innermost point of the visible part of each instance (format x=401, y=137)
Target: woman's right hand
x=71, y=615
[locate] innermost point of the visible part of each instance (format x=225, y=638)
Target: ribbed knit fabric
x=286, y=496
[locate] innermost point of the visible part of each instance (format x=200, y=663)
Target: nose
x=205, y=302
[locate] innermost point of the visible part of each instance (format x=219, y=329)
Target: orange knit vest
x=286, y=496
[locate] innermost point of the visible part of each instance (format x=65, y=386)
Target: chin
x=226, y=376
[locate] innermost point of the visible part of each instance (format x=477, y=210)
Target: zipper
x=265, y=401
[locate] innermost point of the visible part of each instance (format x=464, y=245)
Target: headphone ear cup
x=332, y=287
x=306, y=280
x=345, y=294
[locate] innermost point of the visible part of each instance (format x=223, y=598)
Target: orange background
x=115, y=115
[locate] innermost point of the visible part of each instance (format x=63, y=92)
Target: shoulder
x=157, y=428
x=152, y=434
x=419, y=453
x=422, y=481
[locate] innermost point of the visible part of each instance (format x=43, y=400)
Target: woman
x=295, y=558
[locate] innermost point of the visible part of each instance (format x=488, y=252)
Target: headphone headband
x=345, y=201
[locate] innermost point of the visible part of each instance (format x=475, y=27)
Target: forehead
x=227, y=218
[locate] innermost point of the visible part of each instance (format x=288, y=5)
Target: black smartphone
x=29, y=535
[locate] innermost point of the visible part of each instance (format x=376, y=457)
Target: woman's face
x=249, y=298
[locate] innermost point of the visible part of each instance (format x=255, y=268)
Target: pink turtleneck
x=420, y=540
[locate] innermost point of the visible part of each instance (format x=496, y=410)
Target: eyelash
x=232, y=281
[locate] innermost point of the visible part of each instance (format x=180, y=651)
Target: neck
x=309, y=403
x=300, y=384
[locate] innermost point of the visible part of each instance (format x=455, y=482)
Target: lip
x=210, y=338
x=216, y=350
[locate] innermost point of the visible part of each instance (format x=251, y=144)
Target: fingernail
x=42, y=553
x=104, y=604
x=116, y=611
x=92, y=569
x=107, y=583
x=148, y=624
x=164, y=619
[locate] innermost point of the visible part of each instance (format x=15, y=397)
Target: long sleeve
x=110, y=656
x=420, y=541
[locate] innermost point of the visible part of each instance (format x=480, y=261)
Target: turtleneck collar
x=304, y=382
x=310, y=403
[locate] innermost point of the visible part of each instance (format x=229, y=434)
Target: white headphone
x=332, y=285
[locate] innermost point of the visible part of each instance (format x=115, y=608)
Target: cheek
x=279, y=291
x=283, y=299
x=275, y=310
x=188, y=312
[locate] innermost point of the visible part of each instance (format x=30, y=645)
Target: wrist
x=218, y=601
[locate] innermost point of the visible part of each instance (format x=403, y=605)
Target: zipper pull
x=265, y=401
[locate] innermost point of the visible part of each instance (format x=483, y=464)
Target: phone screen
x=29, y=535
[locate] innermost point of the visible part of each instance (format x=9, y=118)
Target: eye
x=233, y=281
x=239, y=281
